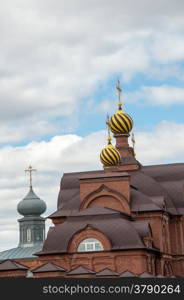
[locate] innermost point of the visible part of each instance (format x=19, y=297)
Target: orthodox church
x=126, y=220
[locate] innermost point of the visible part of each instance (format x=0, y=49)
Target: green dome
x=31, y=205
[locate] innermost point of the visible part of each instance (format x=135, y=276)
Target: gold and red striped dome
x=110, y=156
x=121, y=123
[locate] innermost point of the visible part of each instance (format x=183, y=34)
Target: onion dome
x=31, y=205
x=110, y=156
x=120, y=123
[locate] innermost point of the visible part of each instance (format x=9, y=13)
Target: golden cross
x=108, y=129
x=133, y=142
x=119, y=93
x=30, y=170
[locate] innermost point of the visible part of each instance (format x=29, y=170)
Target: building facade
x=126, y=220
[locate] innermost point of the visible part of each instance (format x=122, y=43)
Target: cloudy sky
x=59, y=62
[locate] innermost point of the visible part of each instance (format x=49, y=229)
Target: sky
x=59, y=64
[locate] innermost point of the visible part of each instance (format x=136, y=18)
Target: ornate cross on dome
x=119, y=93
x=133, y=142
x=108, y=129
x=30, y=170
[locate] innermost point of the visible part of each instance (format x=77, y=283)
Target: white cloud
x=165, y=95
x=163, y=145
x=69, y=153
x=167, y=49
x=105, y=106
x=21, y=130
x=54, y=54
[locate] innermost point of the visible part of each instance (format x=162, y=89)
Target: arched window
x=90, y=244
x=28, y=235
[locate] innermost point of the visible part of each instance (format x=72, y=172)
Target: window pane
x=90, y=244
x=90, y=240
x=89, y=247
x=81, y=247
x=98, y=246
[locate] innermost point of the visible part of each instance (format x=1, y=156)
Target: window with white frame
x=90, y=244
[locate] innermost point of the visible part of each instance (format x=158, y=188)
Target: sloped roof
x=20, y=252
x=107, y=272
x=127, y=274
x=80, y=270
x=141, y=202
x=91, y=211
x=153, y=188
x=48, y=267
x=165, y=172
x=171, y=178
x=146, y=275
x=69, y=196
x=11, y=265
x=121, y=232
x=150, y=185
x=176, y=192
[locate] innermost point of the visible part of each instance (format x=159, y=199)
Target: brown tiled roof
x=48, y=267
x=141, y=202
x=91, y=211
x=127, y=274
x=69, y=197
x=88, y=175
x=107, y=272
x=171, y=178
x=176, y=192
x=167, y=172
x=149, y=181
x=153, y=188
x=142, y=227
x=80, y=270
x=123, y=233
x=11, y=265
x=146, y=275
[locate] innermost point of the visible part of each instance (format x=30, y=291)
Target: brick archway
x=88, y=232
x=106, y=197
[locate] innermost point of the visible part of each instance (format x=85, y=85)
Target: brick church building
x=126, y=220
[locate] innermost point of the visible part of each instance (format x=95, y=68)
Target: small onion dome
x=121, y=123
x=110, y=156
x=31, y=205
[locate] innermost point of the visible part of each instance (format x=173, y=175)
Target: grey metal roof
x=20, y=252
x=31, y=205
